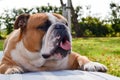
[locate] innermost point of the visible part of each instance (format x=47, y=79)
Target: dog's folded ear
x=21, y=21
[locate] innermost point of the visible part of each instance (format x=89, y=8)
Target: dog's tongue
x=66, y=45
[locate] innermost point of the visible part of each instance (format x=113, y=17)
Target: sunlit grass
x=103, y=50
x=1, y=44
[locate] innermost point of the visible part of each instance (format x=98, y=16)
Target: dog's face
x=45, y=33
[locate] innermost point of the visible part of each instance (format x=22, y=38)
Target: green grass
x=103, y=50
x=1, y=44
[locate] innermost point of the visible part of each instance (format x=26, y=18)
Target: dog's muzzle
x=57, y=41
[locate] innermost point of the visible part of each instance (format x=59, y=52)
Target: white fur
x=62, y=64
x=26, y=59
x=45, y=40
x=57, y=64
x=94, y=66
x=52, y=18
x=14, y=70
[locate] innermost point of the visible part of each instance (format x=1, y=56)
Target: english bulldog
x=42, y=42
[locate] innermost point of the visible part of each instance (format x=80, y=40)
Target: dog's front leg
x=10, y=69
x=87, y=65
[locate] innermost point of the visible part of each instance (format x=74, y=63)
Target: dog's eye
x=45, y=26
x=40, y=27
x=66, y=23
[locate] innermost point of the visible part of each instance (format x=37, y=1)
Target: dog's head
x=45, y=33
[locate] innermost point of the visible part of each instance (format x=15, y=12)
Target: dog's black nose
x=46, y=56
x=59, y=26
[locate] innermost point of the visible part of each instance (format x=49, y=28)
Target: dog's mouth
x=65, y=44
x=64, y=40
x=61, y=44
x=62, y=47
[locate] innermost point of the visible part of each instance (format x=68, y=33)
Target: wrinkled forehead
x=53, y=17
x=41, y=18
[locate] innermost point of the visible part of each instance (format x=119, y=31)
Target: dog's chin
x=57, y=54
x=56, y=57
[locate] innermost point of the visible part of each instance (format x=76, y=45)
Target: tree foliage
x=8, y=17
x=115, y=16
x=92, y=26
x=85, y=26
x=0, y=28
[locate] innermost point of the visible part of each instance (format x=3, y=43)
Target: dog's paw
x=94, y=66
x=14, y=70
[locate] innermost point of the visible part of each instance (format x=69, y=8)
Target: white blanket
x=59, y=75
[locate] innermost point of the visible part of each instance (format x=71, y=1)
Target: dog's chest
x=57, y=65
x=24, y=58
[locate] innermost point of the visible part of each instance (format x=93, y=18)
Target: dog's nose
x=46, y=56
x=59, y=26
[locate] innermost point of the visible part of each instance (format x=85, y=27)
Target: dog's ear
x=21, y=21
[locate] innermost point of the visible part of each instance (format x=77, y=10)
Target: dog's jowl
x=42, y=42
